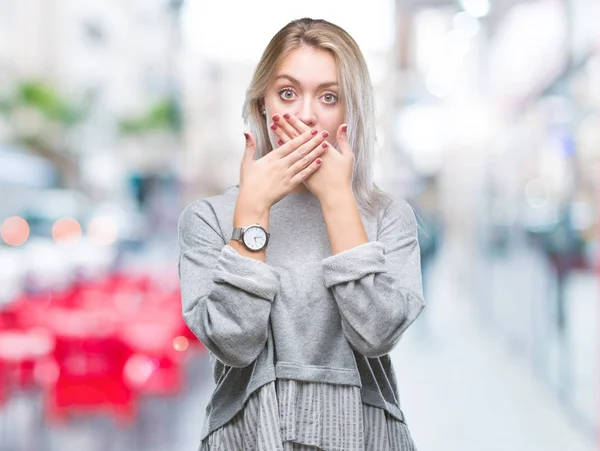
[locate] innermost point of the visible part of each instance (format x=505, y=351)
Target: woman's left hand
x=335, y=175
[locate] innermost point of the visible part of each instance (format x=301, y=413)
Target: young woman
x=301, y=279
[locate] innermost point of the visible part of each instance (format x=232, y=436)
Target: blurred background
x=115, y=114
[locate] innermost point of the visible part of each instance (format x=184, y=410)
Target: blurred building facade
x=510, y=109
x=117, y=62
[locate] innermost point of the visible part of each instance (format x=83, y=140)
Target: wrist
x=248, y=212
x=337, y=199
x=249, y=201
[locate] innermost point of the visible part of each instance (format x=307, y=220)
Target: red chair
x=156, y=366
x=3, y=384
x=20, y=352
x=90, y=359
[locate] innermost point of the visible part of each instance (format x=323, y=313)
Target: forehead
x=309, y=64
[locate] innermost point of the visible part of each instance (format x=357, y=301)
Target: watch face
x=255, y=238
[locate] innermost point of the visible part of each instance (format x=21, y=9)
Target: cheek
x=331, y=124
x=274, y=104
x=273, y=138
x=270, y=104
x=334, y=117
x=272, y=107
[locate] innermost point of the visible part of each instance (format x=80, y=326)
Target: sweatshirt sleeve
x=226, y=297
x=377, y=285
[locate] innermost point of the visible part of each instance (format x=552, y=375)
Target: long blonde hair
x=357, y=92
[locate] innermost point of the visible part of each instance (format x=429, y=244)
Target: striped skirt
x=286, y=415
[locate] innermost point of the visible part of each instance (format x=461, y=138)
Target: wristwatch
x=254, y=237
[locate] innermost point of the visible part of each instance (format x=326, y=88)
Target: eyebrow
x=293, y=80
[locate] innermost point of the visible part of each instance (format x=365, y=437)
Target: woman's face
x=306, y=85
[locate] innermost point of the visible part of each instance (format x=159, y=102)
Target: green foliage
x=45, y=99
x=163, y=115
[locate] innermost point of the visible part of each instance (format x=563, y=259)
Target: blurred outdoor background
x=115, y=114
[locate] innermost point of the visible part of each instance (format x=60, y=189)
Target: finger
x=342, y=139
x=250, y=150
x=307, y=172
x=290, y=129
x=280, y=133
x=309, y=158
x=296, y=123
x=306, y=148
x=292, y=145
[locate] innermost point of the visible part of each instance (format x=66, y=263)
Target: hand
x=336, y=174
x=267, y=180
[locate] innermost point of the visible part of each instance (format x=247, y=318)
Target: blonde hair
x=357, y=96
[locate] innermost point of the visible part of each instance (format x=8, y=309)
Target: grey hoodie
x=304, y=314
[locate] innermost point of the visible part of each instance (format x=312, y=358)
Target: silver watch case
x=241, y=234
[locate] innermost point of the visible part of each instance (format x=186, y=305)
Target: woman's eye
x=286, y=94
x=330, y=98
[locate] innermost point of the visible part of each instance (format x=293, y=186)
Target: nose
x=307, y=113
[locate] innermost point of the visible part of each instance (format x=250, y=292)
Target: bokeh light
x=476, y=8
x=102, y=231
x=138, y=369
x=66, y=231
x=14, y=231
x=180, y=343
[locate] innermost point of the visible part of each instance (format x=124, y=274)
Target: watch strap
x=237, y=233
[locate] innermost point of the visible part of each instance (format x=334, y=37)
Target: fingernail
x=318, y=161
x=314, y=132
x=325, y=134
x=280, y=142
x=286, y=116
x=344, y=128
x=273, y=126
x=324, y=145
x=247, y=136
x=276, y=117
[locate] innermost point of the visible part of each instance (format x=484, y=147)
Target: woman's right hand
x=270, y=178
